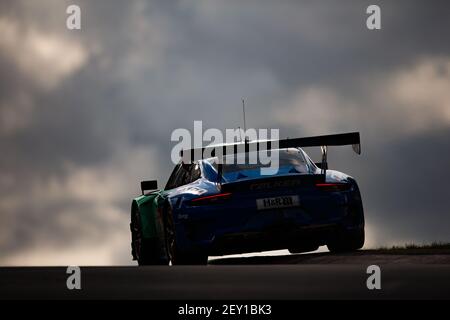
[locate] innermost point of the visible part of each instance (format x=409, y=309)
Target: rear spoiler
x=351, y=138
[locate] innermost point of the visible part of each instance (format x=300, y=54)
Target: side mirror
x=323, y=166
x=149, y=185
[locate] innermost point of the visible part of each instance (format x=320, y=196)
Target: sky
x=85, y=115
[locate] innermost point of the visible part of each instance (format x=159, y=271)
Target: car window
x=195, y=172
x=190, y=174
x=184, y=177
x=181, y=176
x=288, y=158
x=312, y=166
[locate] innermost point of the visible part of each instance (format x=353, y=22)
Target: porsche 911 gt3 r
x=209, y=209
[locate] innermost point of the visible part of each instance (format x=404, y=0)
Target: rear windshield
x=290, y=161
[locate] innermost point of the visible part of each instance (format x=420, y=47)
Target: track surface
x=307, y=276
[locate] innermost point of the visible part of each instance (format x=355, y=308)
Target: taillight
x=333, y=186
x=216, y=198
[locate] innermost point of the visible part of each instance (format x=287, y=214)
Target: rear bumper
x=273, y=239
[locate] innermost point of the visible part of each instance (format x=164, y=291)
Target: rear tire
x=145, y=250
x=347, y=242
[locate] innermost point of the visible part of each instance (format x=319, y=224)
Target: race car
x=210, y=207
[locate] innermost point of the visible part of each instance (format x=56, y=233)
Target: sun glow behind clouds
x=418, y=94
x=47, y=58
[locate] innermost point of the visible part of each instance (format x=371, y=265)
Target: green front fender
x=148, y=210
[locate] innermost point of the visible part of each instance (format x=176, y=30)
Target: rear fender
x=148, y=210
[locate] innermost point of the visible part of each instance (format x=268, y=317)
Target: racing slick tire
x=345, y=242
x=145, y=250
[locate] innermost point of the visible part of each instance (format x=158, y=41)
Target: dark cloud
x=406, y=192
x=86, y=112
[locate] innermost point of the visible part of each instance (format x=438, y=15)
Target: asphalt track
x=310, y=276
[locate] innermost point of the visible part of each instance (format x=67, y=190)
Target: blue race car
x=211, y=208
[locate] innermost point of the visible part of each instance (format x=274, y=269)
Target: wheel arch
x=147, y=214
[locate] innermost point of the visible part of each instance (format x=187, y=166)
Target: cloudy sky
x=85, y=115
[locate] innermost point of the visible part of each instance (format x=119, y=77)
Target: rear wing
x=351, y=138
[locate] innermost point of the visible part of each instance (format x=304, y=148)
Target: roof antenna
x=245, y=125
x=243, y=110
